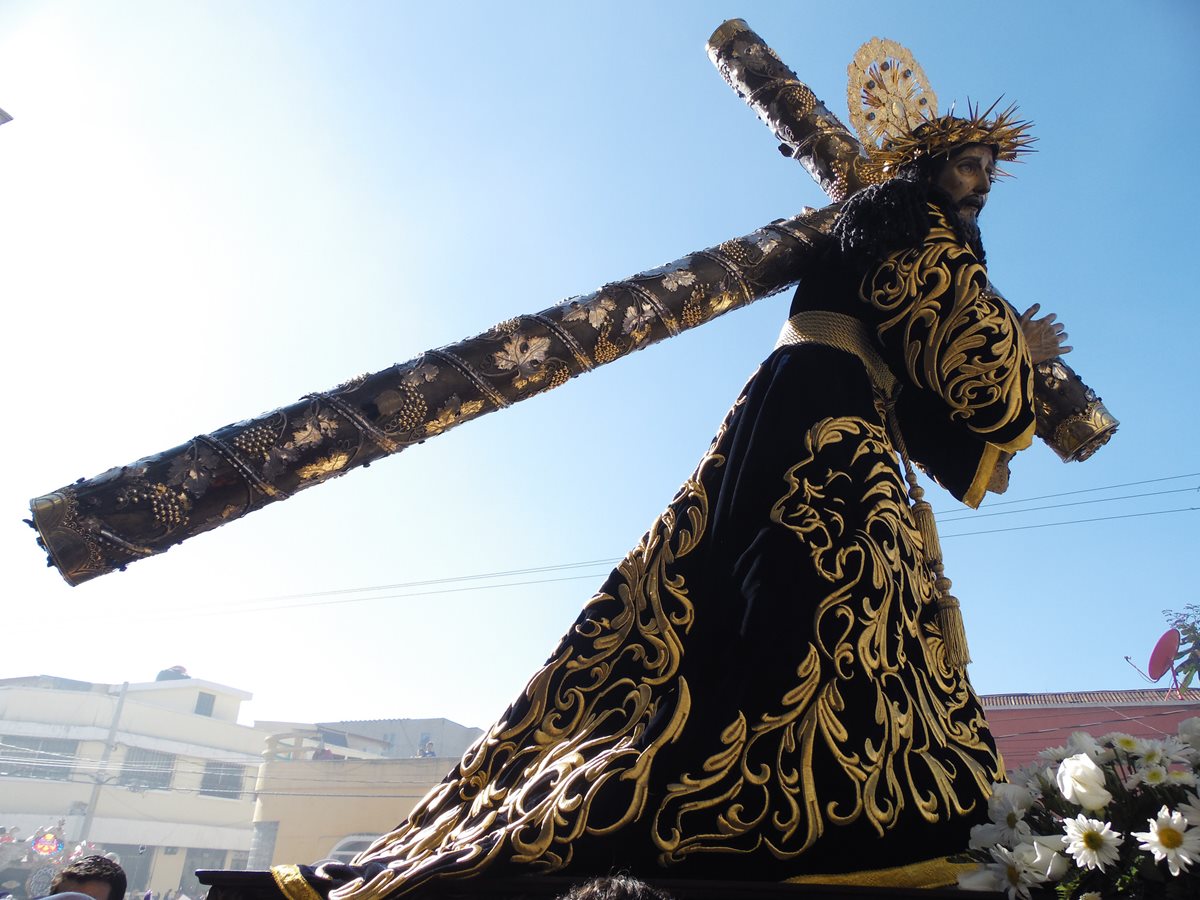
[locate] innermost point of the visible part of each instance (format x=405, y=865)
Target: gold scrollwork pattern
x=955, y=338
x=778, y=780
x=615, y=735
x=588, y=725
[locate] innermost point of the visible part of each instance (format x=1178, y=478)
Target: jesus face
x=967, y=177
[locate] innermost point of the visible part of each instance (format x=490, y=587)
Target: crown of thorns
x=937, y=136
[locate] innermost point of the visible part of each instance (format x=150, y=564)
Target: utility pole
x=101, y=775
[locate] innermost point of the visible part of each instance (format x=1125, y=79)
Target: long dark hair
x=883, y=218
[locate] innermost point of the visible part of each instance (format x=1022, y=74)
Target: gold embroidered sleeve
x=944, y=331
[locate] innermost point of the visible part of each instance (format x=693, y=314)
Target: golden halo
x=887, y=93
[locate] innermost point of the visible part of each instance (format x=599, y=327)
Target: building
x=327, y=790
x=181, y=786
x=1026, y=724
x=316, y=803
x=159, y=772
x=410, y=738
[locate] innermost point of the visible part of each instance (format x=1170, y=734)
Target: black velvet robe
x=759, y=690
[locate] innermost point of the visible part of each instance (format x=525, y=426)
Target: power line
x=1161, y=512
x=431, y=581
x=610, y=561
x=244, y=608
x=486, y=587
x=341, y=596
x=1110, y=487
x=1017, y=512
x=247, y=607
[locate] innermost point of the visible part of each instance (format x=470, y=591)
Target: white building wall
x=168, y=821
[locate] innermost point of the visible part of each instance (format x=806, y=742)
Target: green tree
x=1187, y=659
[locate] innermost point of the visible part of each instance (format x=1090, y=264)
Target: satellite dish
x=1162, y=657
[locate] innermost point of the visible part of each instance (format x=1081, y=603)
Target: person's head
x=965, y=175
x=615, y=887
x=97, y=876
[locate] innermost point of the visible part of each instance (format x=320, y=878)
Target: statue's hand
x=1044, y=336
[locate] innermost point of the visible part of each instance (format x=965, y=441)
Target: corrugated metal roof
x=1164, y=696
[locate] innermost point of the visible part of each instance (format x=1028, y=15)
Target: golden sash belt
x=841, y=332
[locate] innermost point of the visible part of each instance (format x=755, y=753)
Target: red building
x=1025, y=724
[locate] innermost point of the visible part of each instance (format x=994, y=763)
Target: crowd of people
x=101, y=878
x=93, y=877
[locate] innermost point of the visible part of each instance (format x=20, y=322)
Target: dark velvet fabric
x=759, y=690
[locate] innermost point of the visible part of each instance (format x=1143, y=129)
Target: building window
x=204, y=703
x=222, y=780
x=199, y=859
x=146, y=769
x=32, y=757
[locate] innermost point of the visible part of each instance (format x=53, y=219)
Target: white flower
x=1006, y=809
x=1015, y=871
x=1126, y=743
x=989, y=834
x=1030, y=776
x=1191, y=809
x=1092, y=843
x=1170, y=839
x=984, y=877
x=1175, y=750
x=1082, y=781
x=1181, y=776
x=1041, y=856
x=1189, y=732
x=1015, y=876
x=1054, y=754
x=1049, y=777
x=1155, y=776
x=1082, y=742
x=1164, y=752
x=1151, y=754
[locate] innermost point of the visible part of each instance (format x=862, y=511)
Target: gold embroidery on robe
x=957, y=339
x=528, y=785
x=760, y=788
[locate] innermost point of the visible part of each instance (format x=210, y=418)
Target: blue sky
x=210, y=209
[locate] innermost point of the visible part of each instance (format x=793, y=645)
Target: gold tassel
x=949, y=614
x=954, y=634
x=923, y=513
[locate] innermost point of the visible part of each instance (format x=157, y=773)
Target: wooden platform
x=261, y=886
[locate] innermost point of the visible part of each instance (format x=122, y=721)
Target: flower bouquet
x=1107, y=818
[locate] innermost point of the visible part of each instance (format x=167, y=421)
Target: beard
x=965, y=223
x=968, y=222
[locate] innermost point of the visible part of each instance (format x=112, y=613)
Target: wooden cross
x=98, y=525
